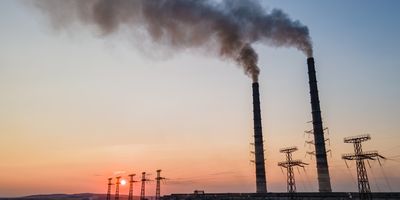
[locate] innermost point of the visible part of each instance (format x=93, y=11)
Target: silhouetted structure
x=312, y=143
x=359, y=156
x=289, y=164
x=280, y=196
x=158, y=187
x=117, y=188
x=324, y=182
x=131, y=182
x=109, y=189
x=261, y=184
x=143, y=189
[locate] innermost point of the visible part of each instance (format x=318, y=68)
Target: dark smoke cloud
x=232, y=25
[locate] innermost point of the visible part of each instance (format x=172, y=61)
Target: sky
x=77, y=108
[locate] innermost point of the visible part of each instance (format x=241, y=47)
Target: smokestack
x=258, y=142
x=324, y=182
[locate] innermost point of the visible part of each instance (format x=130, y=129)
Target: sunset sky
x=77, y=108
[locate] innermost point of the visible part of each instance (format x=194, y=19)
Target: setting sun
x=123, y=182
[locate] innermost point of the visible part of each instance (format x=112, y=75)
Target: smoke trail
x=232, y=25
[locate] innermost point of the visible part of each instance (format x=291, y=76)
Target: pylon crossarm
x=286, y=164
x=283, y=164
x=310, y=152
x=372, y=155
x=298, y=162
x=309, y=142
x=288, y=149
x=356, y=139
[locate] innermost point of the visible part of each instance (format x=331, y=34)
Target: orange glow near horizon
x=76, y=109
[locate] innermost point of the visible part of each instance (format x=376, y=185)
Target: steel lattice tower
x=359, y=156
x=117, y=188
x=289, y=164
x=158, y=179
x=131, y=181
x=109, y=189
x=143, y=189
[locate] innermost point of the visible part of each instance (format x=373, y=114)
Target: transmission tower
x=143, y=189
x=359, y=156
x=117, y=188
x=158, y=179
x=289, y=164
x=310, y=142
x=109, y=189
x=131, y=182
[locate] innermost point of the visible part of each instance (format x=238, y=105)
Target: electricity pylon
x=109, y=189
x=311, y=143
x=359, y=156
x=143, y=189
x=117, y=188
x=289, y=164
x=158, y=179
x=131, y=182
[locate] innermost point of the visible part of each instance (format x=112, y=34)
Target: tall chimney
x=324, y=182
x=258, y=142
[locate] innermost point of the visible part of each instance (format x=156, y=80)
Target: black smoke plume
x=232, y=25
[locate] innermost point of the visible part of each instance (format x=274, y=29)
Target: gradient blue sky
x=75, y=108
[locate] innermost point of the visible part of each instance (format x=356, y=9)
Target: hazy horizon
x=78, y=107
